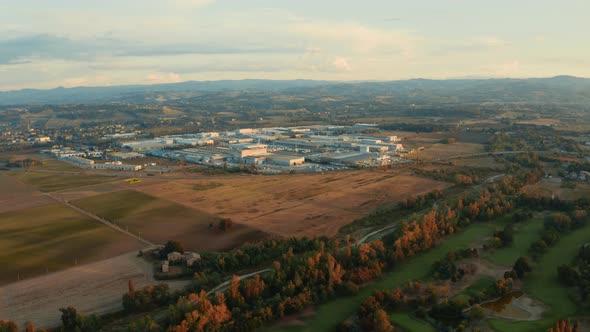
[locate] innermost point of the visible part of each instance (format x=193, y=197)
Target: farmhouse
x=174, y=256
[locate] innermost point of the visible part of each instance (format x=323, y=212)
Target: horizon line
x=466, y=78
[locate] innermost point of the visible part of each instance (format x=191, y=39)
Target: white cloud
x=341, y=64
x=356, y=38
x=155, y=78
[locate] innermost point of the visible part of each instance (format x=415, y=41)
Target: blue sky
x=44, y=44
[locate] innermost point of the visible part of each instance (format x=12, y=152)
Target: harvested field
x=15, y=195
x=549, y=187
x=301, y=205
x=51, y=237
x=160, y=220
x=49, y=182
x=92, y=288
x=91, y=190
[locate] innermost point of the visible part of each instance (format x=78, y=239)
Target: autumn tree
x=565, y=326
x=381, y=322
x=8, y=326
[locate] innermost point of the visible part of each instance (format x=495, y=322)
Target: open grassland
x=49, y=182
x=550, y=187
x=543, y=284
x=52, y=237
x=329, y=314
x=300, y=205
x=160, y=220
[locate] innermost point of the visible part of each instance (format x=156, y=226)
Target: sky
x=46, y=44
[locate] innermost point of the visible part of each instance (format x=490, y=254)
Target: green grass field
x=409, y=323
x=160, y=220
x=524, y=235
x=49, y=182
x=51, y=238
x=328, y=315
x=543, y=285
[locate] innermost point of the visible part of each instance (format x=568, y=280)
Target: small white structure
x=165, y=267
x=43, y=139
x=191, y=258
x=174, y=256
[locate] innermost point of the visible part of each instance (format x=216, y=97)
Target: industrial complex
x=269, y=150
x=276, y=149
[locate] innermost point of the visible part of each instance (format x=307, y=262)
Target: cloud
x=341, y=64
x=356, y=38
x=23, y=49
x=156, y=78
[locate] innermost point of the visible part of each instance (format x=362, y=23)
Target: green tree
x=522, y=266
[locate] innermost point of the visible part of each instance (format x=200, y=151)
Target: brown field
x=15, y=195
x=160, y=220
x=38, y=300
x=301, y=205
x=483, y=162
x=438, y=150
x=540, y=122
x=549, y=187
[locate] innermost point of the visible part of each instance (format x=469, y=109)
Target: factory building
x=286, y=160
x=149, y=144
x=125, y=155
x=242, y=151
x=117, y=166
x=78, y=160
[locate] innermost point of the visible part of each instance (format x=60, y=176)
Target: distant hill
x=559, y=89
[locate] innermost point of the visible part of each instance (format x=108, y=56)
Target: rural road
x=225, y=284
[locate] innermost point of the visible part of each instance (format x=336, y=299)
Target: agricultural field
x=15, y=195
x=160, y=220
x=48, y=182
x=51, y=237
x=554, y=186
x=300, y=205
